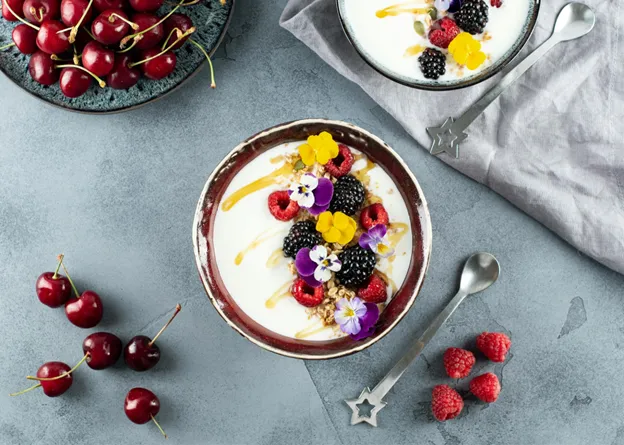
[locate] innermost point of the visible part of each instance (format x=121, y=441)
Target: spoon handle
x=397, y=371
x=473, y=112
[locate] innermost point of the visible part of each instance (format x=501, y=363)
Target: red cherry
x=55, y=388
x=110, y=30
x=102, y=350
x=160, y=66
x=72, y=11
x=97, y=59
x=25, y=38
x=103, y=5
x=49, y=40
x=146, y=5
x=180, y=21
x=74, y=83
x=152, y=37
x=141, y=405
x=123, y=76
x=42, y=70
x=15, y=5
x=85, y=311
x=38, y=11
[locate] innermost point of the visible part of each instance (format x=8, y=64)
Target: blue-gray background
x=117, y=193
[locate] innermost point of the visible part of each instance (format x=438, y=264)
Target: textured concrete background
x=117, y=193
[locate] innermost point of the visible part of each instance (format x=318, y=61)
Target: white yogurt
x=385, y=40
x=252, y=282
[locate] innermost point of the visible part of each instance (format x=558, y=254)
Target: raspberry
x=443, y=32
x=496, y=3
x=373, y=290
x=432, y=63
x=494, y=345
x=348, y=195
x=446, y=403
x=282, y=207
x=458, y=362
x=372, y=215
x=341, y=164
x=486, y=387
x=305, y=294
x=357, y=266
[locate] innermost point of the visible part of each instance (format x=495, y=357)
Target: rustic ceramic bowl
x=413, y=82
x=211, y=198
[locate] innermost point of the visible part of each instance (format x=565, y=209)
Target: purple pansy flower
x=315, y=266
x=448, y=5
x=375, y=239
x=312, y=193
x=356, y=318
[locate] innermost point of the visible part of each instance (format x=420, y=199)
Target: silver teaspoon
x=575, y=20
x=480, y=272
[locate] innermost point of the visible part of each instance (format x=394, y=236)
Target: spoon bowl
x=480, y=272
x=574, y=21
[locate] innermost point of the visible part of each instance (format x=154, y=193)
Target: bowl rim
x=442, y=87
x=185, y=80
x=424, y=215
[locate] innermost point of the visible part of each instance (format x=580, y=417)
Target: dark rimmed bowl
x=212, y=195
x=445, y=85
x=211, y=20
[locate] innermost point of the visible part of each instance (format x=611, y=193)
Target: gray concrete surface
x=117, y=193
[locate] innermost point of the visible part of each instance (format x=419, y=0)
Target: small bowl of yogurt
x=249, y=247
x=410, y=41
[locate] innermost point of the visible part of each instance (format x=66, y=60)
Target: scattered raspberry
x=306, y=295
x=372, y=215
x=373, y=290
x=282, y=207
x=443, y=31
x=494, y=345
x=458, y=362
x=486, y=387
x=341, y=164
x=446, y=403
x=496, y=3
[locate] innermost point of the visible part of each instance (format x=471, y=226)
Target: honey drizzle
x=310, y=331
x=277, y=159
x=275, y=258
x=413, y=50
x=267, y=234
x=388, y=280
x=256, y=185
x=280, y=294
x=402, y=8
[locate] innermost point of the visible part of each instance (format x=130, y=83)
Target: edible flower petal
x=323, y=194
x=306, y=267
x=466, y=50
x=442, y=5
x=336, y=228
x=315, y=266
x=377, y=241
x=367, y=322
x=319, y=149
x=348, y=315
x=312, y=193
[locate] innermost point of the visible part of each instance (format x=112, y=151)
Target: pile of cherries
x=100, y=350
x=111, y=41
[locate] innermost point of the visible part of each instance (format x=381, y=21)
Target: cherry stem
x=223, y=2
x=88, y=32
x=70, y=280
x=212, y=78
x=2, y=48
x=188, y=32
x=58, y=266
x=111, y=19
x=58, y=59
x=61, y=31
x=99, y=81
x=58, y=377
x=6, y=4
x=25, y=390
x=165, y=17
x=192, y=2
x=159, y=427
x=178, y=34
x=178, y=308
x=134, y=42
x=74, y=31
x=34, y=11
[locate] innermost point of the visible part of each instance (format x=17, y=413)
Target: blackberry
x=357, y=266
x=432, y=63
x=348, y=195
x=302, y=234
x=472, y=16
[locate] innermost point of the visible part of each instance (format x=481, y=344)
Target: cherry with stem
x=53, y=289
x=86, y=310
x=25, y=22
x=76, y=28
x=126, y=39
x=65, y=374
x=102, y=84
x=164, y=51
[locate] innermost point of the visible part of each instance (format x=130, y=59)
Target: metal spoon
x=480, y=272
x=574, y=21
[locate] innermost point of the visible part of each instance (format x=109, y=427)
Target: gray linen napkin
x=551, y=144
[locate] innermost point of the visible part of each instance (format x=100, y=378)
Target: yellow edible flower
x=319, y=148
x=337, y=228
x=466, y=50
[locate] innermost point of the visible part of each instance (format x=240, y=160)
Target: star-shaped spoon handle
x=574, y=21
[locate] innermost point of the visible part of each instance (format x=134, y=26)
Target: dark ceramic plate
x=211, y=20
x=212, y=195
x=527, y=30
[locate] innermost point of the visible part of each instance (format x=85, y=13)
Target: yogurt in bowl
x=393, y=36
x=307, y=255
